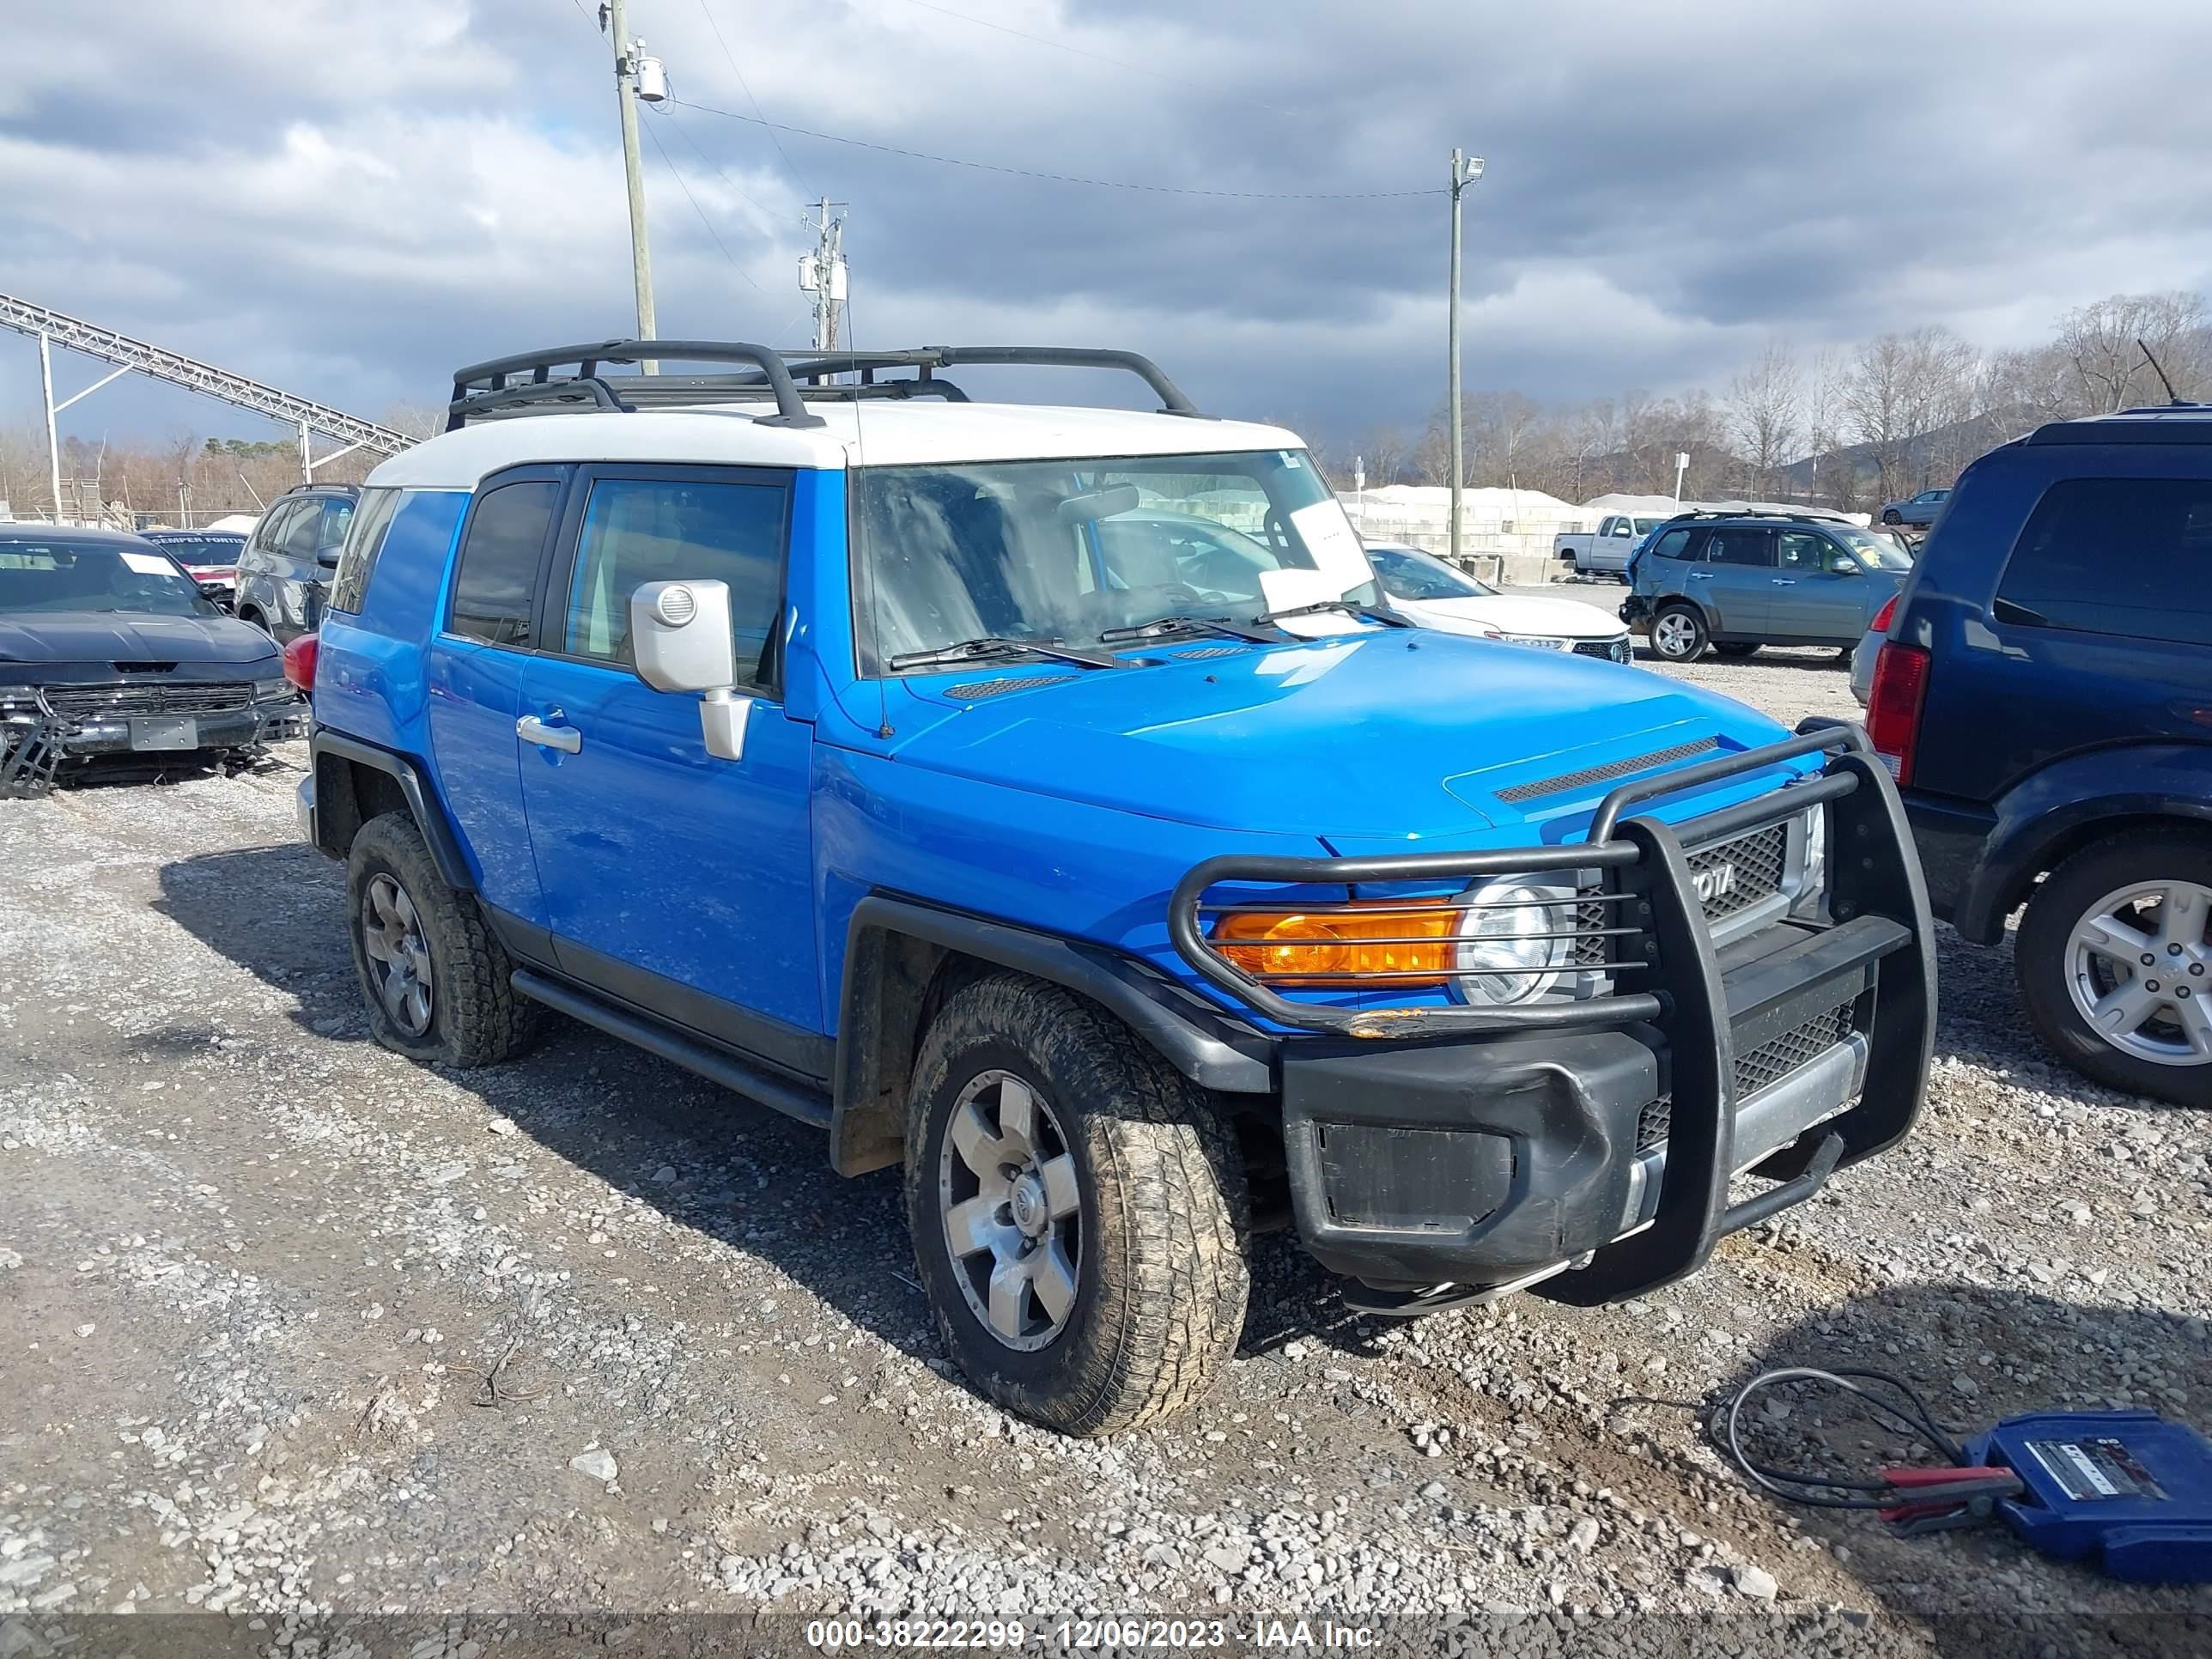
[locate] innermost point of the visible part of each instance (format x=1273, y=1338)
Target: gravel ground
x=292, y=1330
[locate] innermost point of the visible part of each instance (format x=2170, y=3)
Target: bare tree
x=2100, y=344
x=1766, y=403
x=1385, y=452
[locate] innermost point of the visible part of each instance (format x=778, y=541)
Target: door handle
x=567, y=739
x=1701, y=575
x=1785, y=581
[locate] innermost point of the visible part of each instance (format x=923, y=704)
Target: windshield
x=61, y=576
x=1068, y=550
x=1408, y=574
x=1880, y=552
x=201, y=550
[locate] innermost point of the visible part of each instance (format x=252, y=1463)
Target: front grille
x=166, y=697
x=1653, y=1122
x=976, y=690
x=1777, y=1058
x=1732, y=876
x=1589, y=950
x=1611, y=650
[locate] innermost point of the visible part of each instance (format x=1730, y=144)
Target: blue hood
x=1368, y=741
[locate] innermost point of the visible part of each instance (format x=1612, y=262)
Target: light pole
x=641, y=259
x=1465, y=169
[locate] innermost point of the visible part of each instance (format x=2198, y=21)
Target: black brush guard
x=1670, y=991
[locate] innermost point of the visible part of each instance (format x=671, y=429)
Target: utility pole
x=628, y=59
x=1465, y=169
x=822, y=273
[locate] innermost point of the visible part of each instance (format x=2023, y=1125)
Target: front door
x=1735, y=581
x=674, y=880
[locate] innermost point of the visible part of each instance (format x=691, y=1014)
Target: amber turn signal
x=1410, y=947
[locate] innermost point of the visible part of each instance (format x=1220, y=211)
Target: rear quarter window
x=364, y=543
x=2128, y=556
x=1674, y=544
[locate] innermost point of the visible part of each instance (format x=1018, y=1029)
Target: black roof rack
x=792, y=377
x=1802, y=515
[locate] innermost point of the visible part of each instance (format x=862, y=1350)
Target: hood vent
x=1611, y=773
x=145, y=668
x=1207, y=653
x=978, y=690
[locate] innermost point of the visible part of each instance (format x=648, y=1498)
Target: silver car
x=284, y=570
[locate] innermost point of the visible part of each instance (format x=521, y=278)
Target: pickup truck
x=919, y=768
x=1607, y=549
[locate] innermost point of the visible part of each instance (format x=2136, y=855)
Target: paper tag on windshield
x=150, y=564
x=1335, y=546
x=1286, y=590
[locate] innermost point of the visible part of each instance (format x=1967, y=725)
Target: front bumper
x=1595, y=1140
x=150, y=736
x=1636, y=612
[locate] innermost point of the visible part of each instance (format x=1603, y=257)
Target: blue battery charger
x=2126, y=1492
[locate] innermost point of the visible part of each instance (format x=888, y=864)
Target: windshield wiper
x=1366, y=612
x=1162, y=626
x=994, y=645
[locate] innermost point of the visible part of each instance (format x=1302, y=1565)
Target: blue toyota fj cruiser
x=896, y=760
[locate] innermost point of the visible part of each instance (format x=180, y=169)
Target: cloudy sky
x=347, y=197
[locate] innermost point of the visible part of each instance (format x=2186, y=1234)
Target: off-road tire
x=476, y=1018
x=2041, y=954
x=1737, y=649
x=1699, y=637
x=1162, y=1280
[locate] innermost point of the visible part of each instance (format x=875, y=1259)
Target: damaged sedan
x=113, y=664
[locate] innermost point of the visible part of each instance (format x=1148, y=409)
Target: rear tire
x=435, y=980
x=1892, y=516
x=1679, y=633
x=1098, y=1279
x=1737, y=649
x=2071, y=958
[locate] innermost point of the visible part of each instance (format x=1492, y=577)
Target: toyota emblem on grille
x=1716, y=883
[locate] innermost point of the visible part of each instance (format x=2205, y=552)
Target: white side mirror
x=679, y=634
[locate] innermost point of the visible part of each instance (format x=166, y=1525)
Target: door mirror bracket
x=679, y=634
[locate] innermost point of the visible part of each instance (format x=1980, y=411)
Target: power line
x=745, y=86
x=714, y=166
x=1063, y=177
x=680, y=184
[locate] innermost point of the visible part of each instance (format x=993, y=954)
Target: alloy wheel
x=1673, y=635
x=2139, y=969
x=1011, y=1196
x=398, y=955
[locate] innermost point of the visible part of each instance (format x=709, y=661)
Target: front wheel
x=1077, y=1210
x=1892, y=516
x=2115, y=963
x=1679, y=634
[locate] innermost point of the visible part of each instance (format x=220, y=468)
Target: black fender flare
x=893, y=948
x=429, y=812
x=2041, y=820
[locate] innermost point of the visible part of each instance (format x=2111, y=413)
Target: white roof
x=877, y=434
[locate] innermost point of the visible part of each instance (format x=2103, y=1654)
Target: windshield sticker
x=150, y=564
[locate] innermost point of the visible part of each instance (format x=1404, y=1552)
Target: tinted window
x=337, y=516
x=300, y=529
x=1674, y=544
x=2115, y=555
x=638, y=530
x=495, y=588
x=269, y=534
x=1740, y=544
x=363, y=542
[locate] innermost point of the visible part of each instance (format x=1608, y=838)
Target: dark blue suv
x=903, y=762
x=2044, y=698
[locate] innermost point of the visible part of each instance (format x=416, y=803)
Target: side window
x=1674, y=544
x=364, y=541
x=1622, y=527
x=637, y=531
x=300, y=539
x=2130, y=557
x=338, y=517
x=495, y=588
x=269, y=534
x=1807, y=553
x=1740, y=545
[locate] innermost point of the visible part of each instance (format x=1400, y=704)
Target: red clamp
x=1937, y=1500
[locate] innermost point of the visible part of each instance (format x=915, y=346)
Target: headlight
x=277, y=690
x=1516, y=937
